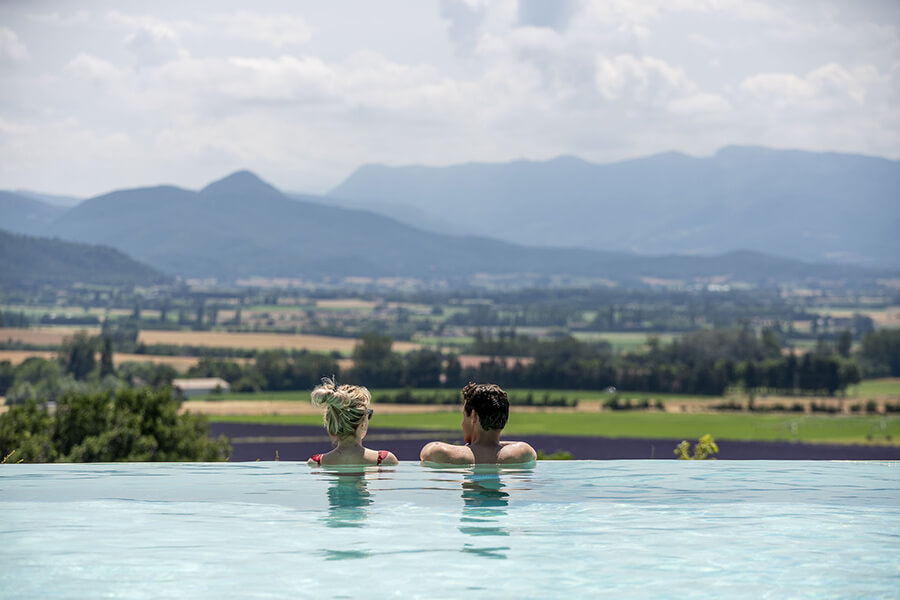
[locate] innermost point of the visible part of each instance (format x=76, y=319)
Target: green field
x=867, y=389
x=816, y=429
x=875, y=387
x=624, y=341
x=452, y=395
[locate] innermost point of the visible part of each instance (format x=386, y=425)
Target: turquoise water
x=560, y=530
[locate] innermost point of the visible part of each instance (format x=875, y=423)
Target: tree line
x=705, y=363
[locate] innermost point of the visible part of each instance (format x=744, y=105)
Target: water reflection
x=485, y=503
x=348, y=500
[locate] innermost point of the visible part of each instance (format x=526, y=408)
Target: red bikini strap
x=317, y=458
x=382, y=454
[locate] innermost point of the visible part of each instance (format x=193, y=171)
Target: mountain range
x=241, y=226
x=806, y=205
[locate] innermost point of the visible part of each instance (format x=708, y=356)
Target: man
x=485, y=411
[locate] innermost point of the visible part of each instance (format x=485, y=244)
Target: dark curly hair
x=489, y=402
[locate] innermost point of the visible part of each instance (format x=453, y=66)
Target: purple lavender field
x=298, y=442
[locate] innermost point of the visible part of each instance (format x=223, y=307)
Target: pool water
x=558, y=530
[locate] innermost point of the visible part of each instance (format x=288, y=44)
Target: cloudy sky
x=102, y=95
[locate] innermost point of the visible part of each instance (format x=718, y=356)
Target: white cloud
x=779, y=88
x=645, y=80
x=828, y=86
x=286, y=78
x=702, y=106
x=97, y=70
x=311, y=97
x=12, y=50
x=79, y=17
x=159, y=27
x=153, y=47
x=279, y=31
x=748, y=10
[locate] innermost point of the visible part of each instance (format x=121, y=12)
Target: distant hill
x=241, y=226
x=24, y=214
x=805, y=205
x=51, y=199
x=404, y=213
x=27, y=261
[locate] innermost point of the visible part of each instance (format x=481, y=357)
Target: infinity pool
x=560, y=530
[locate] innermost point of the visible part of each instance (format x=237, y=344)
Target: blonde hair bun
x=344, y=405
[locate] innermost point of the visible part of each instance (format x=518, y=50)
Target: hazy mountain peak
x=567, y=160
x=788, y=202
x=51, y=199
x=239, y=182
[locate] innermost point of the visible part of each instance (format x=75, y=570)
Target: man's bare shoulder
x=446, y=454
x=516, y=453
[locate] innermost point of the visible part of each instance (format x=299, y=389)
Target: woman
x=347, y=415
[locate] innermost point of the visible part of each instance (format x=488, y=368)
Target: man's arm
x=516, y=453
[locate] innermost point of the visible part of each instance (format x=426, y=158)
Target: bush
x=616, y=403
x=558, y=455
x=704, y=448
x=128, y=425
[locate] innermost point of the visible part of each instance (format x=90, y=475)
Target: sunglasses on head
x=371, y=413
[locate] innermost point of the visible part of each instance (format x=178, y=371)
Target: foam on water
x=274, y=530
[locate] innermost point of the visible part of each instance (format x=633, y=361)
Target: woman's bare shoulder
x=390, y=460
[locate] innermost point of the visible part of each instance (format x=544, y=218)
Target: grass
x=624, y=341
x=867, y=389
x=452, y=395
x=814, y=429
x=871, y=388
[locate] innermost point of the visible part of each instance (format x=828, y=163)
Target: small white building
x=200, y=386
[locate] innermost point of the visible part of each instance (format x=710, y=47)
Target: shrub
x=558, y=455
x=703, y=449
x=128, y=425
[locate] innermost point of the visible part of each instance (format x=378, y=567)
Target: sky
x=103, y=95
